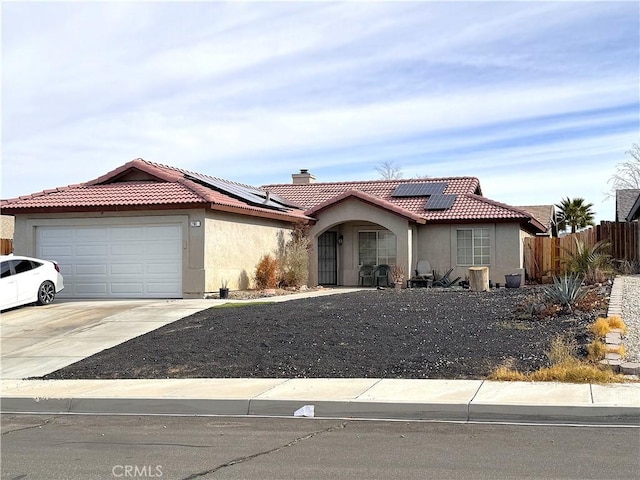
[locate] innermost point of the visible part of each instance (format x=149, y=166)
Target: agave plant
x=566, y=290
x=591, y=262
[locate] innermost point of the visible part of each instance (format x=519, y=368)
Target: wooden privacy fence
x=6, y=246
x=545, y=257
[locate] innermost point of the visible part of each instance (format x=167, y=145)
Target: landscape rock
x=411, y=333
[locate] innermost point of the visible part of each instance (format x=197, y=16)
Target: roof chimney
x=303, y=178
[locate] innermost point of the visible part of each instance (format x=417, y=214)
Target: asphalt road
x=107, y=447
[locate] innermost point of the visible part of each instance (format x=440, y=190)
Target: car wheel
x=46, y=293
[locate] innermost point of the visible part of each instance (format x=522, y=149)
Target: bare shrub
x=295, y=260
x=266, y=272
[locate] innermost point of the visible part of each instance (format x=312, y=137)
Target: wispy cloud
x=538, y=99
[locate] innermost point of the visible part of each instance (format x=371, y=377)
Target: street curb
x=470, y=411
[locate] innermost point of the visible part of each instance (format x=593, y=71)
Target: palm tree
x=575, y=214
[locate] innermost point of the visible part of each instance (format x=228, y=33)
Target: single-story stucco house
x=446, y=221
x=150, y=230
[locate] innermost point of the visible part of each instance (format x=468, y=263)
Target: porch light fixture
x=340, y=239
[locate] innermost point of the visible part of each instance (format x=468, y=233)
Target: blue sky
x=539, y=100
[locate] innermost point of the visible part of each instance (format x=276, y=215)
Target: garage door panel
x=66, y=270
x=56, y=233
x=163, y=268
x=91, y=250
x=127, y=268
x=163, y=248
x=172, y=232
x=127, y=233
x=116, y=261
x=130, y=249
x=130, y=288
x=96, y=269
x=56, y=251
x=89, y=289
x=163, y=288
x=90, y=233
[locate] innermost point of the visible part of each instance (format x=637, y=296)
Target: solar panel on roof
x=419, y=189
x=440, y=202
x=281, y=200
x=251, y=195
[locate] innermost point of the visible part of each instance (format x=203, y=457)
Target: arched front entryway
x=353, y=233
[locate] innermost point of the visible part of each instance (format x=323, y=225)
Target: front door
x=328, y=259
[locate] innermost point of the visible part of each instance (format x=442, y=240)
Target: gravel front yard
x=418, y=333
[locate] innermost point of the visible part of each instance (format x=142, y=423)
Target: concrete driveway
x=36, y=340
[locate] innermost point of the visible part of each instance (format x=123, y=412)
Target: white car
x=27, y=280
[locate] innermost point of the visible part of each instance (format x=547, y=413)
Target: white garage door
x=116, y=261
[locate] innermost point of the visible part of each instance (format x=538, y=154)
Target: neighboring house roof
x=634, y=212
x=142, y=184
x=545, y=214
x=468, y=205
x=625, y=202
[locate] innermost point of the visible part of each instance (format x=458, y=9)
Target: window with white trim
x=376, y=248
x=473, y=246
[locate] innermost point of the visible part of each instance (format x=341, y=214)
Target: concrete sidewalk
x=436, y=400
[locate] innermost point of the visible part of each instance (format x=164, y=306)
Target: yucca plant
x=566, y=290
x=592, y=262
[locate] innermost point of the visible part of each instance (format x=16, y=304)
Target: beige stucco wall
x=216, y=245
x=438, y=243
x=235, y=245
x=348, y=218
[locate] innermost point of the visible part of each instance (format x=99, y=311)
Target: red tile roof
x=309, y=195
x=124, y=193
x=372, y=199
x=138, y=184
x=142, y=184
x=469, y=204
